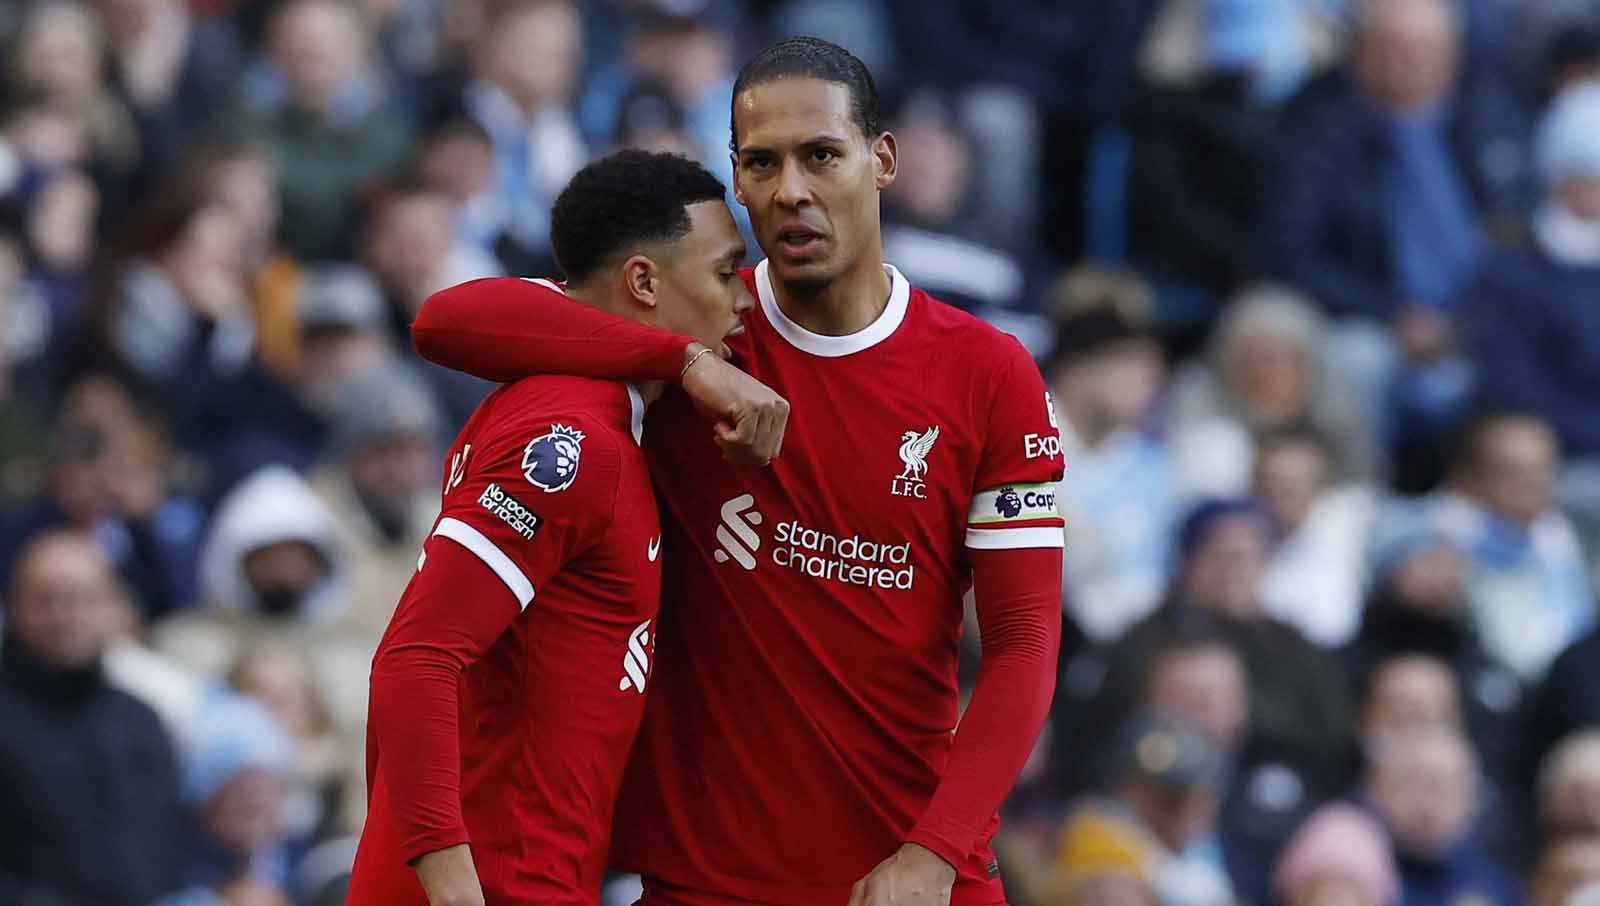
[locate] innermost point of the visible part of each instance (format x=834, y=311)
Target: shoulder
x=978, y=342
x=549, y=423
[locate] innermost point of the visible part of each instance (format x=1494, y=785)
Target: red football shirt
x=505, y=703
x=813, y=608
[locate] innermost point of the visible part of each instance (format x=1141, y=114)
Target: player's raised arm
x=507, y=328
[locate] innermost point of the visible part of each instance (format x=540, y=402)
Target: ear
x=886, y=157
x=639, y=280
x=738, y=193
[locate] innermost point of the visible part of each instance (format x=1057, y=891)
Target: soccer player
x=509, y=686
x=800, y=746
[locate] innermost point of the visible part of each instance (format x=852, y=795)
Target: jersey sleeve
x=529, y=496
x=1014, y=493
x=507, y=328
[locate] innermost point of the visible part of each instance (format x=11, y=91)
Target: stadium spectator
x=237, y=769
x=88, y=772
x=929, y=229
x=525, y=78
x=1393, y=175
x=1569, y=786
x=1529, y=593
x=168, y=64
x=1409, y=692
x=1315, y=580
x=59, y=233
x=457, y=160
x=1163, y=802
x=1567, y=873
x=1342, y=855
x=320, y=110
x=1533, y=334
x=1423, y=783
x=1267, y=369
x=61, y=56
x=1201, y=147
x=110, y=475
x=282, y=678
x=344, y=330
x=244, y=182
x=382, y=483
x=1104, y=375
x=649, y=120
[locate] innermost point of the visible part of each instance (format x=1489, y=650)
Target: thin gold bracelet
x=691, y=362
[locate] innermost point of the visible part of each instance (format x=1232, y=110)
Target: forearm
x=1019, y=613
x=506, y=328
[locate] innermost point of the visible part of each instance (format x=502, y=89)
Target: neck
x=846, y=305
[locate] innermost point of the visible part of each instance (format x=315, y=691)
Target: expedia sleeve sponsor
x=509, y=510
x=1014, y=503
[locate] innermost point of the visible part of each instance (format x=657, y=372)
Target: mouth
x=798, y=241
x=736, y=330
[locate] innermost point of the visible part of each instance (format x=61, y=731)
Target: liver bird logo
x=914, y=449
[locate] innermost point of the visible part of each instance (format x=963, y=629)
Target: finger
x=764, y=438
x=858, y=894
x=782, y=416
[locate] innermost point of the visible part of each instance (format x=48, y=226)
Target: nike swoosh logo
x=655, y=548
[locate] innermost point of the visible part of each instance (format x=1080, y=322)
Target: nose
x=793, y=190
x=743, y=302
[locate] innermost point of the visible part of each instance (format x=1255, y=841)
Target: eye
x=823, y=155
x=728, y=276
x=758, y=163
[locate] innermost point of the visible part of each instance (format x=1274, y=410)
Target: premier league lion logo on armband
x=1008, y=503
x=551, y=460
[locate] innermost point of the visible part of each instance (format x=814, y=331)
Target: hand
x=913, y=876
x=449, y=877
x=749, y=417
x=1424, y=334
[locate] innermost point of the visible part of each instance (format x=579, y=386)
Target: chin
x=807, y=279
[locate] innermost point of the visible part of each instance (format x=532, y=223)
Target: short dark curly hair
x=818, y=59
x=622, y=201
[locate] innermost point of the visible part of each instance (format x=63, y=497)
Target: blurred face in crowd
x=281, y=574
x=206, y=263
x=458, y=164
x=61, y=222
x=810, y=180
x=1515, y=468
x=1270, y=373
x=318, y=46
x=410, y=243
x=1111, y=389
x=246, y=187
x=126, y=20
x=330, y=354
x=62, y=54
x=1569, y=796
x=1406, y=52
x=533, y=53
x=109, y=461
x=391, y=475
x=246, y=814
x=1223, y=574
x=687, y=60
x=1424, y=782
x=1289, y=477
x=1581, y=196
x=1432, y=581
x=1205, y=688
x=48, y=136
x=932, y=184
x=282, y=679
x=65, y=604
x=1566, y=866
x=1411, y=692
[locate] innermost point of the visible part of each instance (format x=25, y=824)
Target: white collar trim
x=637, y=404
x=833, y=347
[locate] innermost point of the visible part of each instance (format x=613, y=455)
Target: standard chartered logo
x=850, y=559
x=636, y=663
x=737, y=533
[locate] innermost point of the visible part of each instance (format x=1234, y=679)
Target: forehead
x=711, y=229
x=792, y=110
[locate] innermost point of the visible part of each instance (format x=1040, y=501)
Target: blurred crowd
x=1315, y=285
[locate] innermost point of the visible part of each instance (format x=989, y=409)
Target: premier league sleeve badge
x=550, y=461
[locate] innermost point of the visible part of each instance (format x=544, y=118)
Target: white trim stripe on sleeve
x=492, y=557
x=1011, y=538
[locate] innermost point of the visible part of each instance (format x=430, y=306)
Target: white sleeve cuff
x=492, y=557
x=1010, y=538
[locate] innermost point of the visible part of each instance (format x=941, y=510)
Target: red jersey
x=538, y=657
x=813, y=609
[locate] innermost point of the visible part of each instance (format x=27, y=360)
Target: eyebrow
x=815, y=141
x=735, y=253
